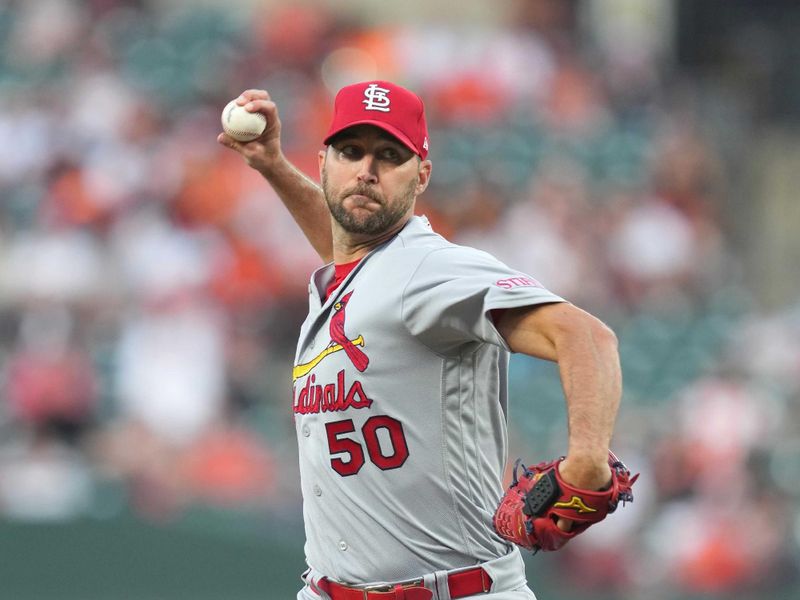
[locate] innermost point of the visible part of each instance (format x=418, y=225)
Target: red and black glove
x=534, y=503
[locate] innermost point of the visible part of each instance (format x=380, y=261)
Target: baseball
x=241, y=125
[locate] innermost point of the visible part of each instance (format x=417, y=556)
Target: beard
x=389, y=213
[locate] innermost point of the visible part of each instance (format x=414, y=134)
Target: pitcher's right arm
x=301, y=196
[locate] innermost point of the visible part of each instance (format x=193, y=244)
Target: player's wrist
x=587, y=452
x=272, y=164
x=585, y=471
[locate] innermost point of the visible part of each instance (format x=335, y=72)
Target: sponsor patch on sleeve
x=521, y=281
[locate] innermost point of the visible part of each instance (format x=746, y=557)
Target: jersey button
x=317, y=490
x=342, y=545
x=306, y=431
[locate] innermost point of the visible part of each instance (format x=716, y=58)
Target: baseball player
x=399, y=379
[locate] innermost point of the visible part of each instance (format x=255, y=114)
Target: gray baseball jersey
x=400, y=392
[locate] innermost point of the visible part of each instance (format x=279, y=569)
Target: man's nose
x=367, y=170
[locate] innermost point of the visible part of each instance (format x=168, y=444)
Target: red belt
x=461, y=584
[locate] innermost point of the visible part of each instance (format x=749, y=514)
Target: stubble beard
x=375, y=222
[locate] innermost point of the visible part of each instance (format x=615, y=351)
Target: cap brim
x=380, y=125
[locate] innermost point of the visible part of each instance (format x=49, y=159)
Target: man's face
x=370, y=179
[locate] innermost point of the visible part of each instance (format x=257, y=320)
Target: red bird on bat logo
x=339, y=342
x=338, y=336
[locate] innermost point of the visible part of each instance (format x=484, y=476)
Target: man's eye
x=349, y=151
x=390, y=154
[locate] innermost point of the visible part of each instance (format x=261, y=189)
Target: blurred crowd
x=151, y=284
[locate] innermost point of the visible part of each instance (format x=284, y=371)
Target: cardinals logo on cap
x=383, y=104
x=376, y=98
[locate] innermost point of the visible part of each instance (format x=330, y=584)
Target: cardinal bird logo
x=339, y=341
x=339, y=337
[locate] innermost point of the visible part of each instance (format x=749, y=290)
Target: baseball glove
x=534, y=502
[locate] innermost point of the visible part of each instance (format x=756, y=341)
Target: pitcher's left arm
x=586, y=352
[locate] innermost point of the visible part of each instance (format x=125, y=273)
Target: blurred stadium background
x=641, y=158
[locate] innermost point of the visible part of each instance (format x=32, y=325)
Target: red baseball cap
x=383, y=104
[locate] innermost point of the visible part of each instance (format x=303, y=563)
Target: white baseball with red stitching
x=241, y=125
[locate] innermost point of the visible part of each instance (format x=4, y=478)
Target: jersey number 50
x=338, y=444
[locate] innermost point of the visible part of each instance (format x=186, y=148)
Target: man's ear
x=425, y=168
x=321, y=157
